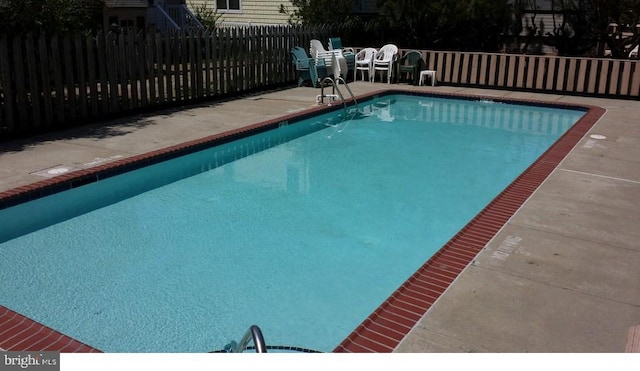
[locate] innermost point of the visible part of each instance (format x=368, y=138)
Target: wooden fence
x=541, y=73
x=51, y=82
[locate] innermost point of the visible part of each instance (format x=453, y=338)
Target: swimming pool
x=304, y=176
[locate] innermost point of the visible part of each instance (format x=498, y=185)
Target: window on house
x=228, y=5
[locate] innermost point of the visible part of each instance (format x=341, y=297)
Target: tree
x=34, y=16
x=206, y=14
x=318, y=11
x=625, y=15
x=588, y=26
x=447, y=24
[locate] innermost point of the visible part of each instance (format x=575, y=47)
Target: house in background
x=263, y=12
x=539, y=18
x=246, y=12
x=166, y=15
x=162, y=15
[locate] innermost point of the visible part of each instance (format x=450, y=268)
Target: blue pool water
x=302, y=230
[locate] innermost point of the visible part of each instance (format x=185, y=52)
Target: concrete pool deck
x=561, y=276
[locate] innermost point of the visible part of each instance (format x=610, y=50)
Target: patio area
x=561, y=276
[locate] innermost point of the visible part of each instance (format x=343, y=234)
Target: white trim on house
x=227, y=10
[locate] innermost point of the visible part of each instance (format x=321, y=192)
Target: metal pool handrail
x=334, y=85
x=253, y=333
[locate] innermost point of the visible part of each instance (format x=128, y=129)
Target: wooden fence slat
x=101, y=58
x=247, y=59
x=132, y=67
x=158, y=66
x=531, y=72
x=235, y=80
x=144, y=74
x=112, y=72
x=193, y=79
x=34, y=86
x=215, y=64
x=492, y=61
x=465, y=68
x=445, y=66
x=177, y=64
x=21, y=90
x=438, y=66
x=521, y=74
x=270, y=59
x=538, y=73
x=206, y=61
x=581, y=76
x=58, y=77
x=604, y=76
x=7, y=120
x=215, y=57
x=502, y=63
x=151, y=81
x=82, y=81
x=168, y=67
x=244, y=59
x=571, y=75
x=45, y=76
x=263, y=55
x=615, y=78
x=229, y=62
x=266, y=68
x=199, y=51
x=552, y=66
x=431, y=60
x=474, y=73
x=561, y=79
x=92, y=83
x=634, y=86
x=251, y=60
x=185, y=67
x=483, y=70
x=226, y=50
x=123, y=76
x=511, y=71
x=592, y=76
x=281, y=56
x=625, y=82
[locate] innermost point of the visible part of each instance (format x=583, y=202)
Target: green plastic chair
x=410, y=65
x=336, y=43
x=307, y=68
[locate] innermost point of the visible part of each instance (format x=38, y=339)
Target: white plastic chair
x=318, y=51
x=384, y=60
x=364, y=62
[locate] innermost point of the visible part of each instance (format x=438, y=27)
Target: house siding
x=255, y=12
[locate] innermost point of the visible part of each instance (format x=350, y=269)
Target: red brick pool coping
x=383, y=330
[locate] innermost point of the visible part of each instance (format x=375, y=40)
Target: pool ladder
x=253, y=333
x=333, y=96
